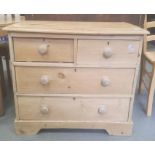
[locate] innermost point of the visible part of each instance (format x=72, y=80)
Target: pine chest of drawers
x=74, y=75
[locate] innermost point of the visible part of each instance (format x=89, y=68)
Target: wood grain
x=73, y=80
x=112, y=128
x=54, y=94
x=91, y=28
x=58, y=50
x=92, y=51
x=73, y=109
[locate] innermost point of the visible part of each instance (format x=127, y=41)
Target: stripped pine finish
x=74, y=75
x=73, y=80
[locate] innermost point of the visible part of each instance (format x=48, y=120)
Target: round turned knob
x=44, y=80
x=44, y=109
x=43, y=49
x=107, y=52
x=102, y=109
x=105, y=81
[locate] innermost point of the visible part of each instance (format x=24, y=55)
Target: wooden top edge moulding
x=68, y=27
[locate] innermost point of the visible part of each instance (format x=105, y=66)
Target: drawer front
x=74, y=80
x=107, y=51
x=54, y=50
x=73, y=109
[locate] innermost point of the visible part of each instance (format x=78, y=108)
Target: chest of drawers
x=74, y=75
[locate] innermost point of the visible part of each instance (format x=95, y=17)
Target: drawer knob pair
x=43, y=49
x=44, y=109
x=107, y=52
x=102, y=109
x=105, y=81
x=44, y=80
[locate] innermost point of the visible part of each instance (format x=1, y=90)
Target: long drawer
x=44, y=50
x=74, y=80
x=107, y=51
x=73, y=109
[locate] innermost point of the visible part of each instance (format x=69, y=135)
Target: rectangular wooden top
x=3, y=24
x=68, y=27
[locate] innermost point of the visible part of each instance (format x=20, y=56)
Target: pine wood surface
x=62, y=27
x=78, y=82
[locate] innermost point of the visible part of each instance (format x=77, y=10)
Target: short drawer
x=43, y=50
x=74, y=80
x=73, y=109
x=107, y=51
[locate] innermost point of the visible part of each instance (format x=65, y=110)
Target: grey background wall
x=137, y=19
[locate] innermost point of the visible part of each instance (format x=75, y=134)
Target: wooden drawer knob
x=43, y=49
x=102, y=109
x=105, y=81
x=107, y=52
x=44, y=80
x=44, y=109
